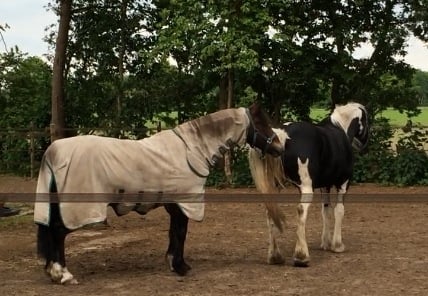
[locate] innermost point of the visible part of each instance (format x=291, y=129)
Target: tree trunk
x=336, y=93
x=120, y=66
x=58, y=115
x=228, y=154
x=222, y=95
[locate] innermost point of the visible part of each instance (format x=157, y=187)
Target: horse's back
x=327, y=149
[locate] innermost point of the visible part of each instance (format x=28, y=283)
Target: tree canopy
x=131, y=61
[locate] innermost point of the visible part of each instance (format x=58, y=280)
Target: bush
x=241, y=175
x=408, y=165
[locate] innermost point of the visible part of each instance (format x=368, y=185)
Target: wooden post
x=32, y=150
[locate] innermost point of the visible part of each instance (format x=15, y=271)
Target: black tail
x=45, y=232
x=43, y=241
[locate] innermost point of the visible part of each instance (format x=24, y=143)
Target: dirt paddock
x=386, y=252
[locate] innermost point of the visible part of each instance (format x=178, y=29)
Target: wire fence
x=22, y=148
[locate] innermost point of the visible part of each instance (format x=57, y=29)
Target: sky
x=28, y=19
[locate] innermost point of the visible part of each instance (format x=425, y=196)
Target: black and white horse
x=315, y=156
x=76, y=171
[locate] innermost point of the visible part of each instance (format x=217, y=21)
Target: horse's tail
x=267, y=172
x=43, y=241
x=45, y=185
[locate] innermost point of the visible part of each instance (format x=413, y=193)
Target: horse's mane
x=342, y=113
x=267, y=173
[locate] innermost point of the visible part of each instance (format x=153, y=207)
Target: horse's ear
x=368, y=106
x=255, y=107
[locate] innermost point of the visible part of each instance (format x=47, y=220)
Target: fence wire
x=21, y=149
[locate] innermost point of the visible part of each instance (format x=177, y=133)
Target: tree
x=420, y=86
x=58, y=77
x=25, y=87
x=328, y=33
x=102, y=61
x=417, y=12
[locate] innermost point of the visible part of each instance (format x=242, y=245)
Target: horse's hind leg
x=51, y=244
x=339, y=212
x=326, y=212
x=301, y=251
x=177, y=237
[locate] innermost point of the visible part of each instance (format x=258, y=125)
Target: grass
x=395, y=117
x=16, y=221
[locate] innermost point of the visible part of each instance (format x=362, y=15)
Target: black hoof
x=301, y=263
x=182, y=269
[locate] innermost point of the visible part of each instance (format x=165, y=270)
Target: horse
x=175, y=161
x=315, y=156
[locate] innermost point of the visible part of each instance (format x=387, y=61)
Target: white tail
x=267, y=173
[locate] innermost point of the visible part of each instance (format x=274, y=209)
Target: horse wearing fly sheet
x=315, y=156
x=173, y=161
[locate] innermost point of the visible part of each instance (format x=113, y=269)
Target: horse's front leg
x=339, y=212
x=301, y=252
x=177, y=237
x=274, y=252
x=326, y=213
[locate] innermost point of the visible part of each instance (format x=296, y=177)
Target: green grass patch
x=395, y=117
x=16, y=222
x=400, y=119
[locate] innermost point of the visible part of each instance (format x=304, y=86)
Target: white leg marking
x=60, y=274
x=274, y=253
x=326, y=212
x=339, y=213
x=56, y=272
x=301, y=252
x=67, y=277
x=169, y=258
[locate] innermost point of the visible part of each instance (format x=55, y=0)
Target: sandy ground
x=387, y=252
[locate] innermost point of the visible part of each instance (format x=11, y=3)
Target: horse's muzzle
x=275, y=148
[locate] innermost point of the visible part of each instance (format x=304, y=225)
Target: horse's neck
x=214, y=133
x=344, y=124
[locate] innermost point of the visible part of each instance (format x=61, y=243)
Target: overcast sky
x=28, y=19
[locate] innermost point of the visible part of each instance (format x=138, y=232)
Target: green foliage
x=373, y=166
x=25, y=103
x=240, y=171
x=407, y=166
x=175, y=60
x=420, y=86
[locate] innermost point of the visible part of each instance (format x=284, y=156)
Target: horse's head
x=354, y=119
x=260, y=134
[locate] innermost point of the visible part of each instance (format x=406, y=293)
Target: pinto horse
x=315, y=156
x=174, y=161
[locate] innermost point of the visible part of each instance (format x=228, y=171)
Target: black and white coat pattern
x=315, y=156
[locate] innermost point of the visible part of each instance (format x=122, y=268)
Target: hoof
x=300, y=262
x=182, y=269
x=67, y=278
x=71, y=281
x=276, y=259
x=54, y=271
x=325, y=246
x=338, y=248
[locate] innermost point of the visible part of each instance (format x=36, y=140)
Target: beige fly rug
x=174, y=161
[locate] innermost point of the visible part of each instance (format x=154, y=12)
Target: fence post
x=32, y=150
